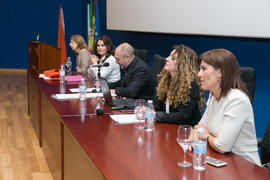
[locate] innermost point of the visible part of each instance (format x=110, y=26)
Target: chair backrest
x=265, y=146
x=141, y=53
x=248, y=76
x=157, y=65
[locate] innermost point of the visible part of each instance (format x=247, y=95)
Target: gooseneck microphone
x=99, y=111
x=106, y=64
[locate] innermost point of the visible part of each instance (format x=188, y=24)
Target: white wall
x=240, y=18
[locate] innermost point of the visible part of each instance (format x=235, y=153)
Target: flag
x=93, y=22
x=61, y=37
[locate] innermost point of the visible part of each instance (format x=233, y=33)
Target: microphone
x=38, y=35
x=99, y=110
x=106, y=64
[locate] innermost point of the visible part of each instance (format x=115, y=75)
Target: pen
x=126, y=110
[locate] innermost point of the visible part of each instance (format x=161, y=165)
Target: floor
x=21, y=158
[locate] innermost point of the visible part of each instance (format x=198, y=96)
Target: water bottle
x=69, y=65
x=82, y=90
x=199, y=150
x=62, y=73
x=149, y=116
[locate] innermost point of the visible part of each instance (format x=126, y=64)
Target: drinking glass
x=184, y=139
x=139, y=111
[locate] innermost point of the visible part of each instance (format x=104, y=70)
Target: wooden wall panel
x=77, y=164
x=51, y=136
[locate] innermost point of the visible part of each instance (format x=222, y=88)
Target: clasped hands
x=94, y=59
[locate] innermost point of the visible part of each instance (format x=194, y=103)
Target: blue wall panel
x=22, y=20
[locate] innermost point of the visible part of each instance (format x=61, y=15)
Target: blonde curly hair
x=177, y=90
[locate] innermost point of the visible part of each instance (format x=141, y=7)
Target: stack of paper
x=125, y=118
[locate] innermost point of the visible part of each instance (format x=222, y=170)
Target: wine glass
x=139, y=111
x=184, y=139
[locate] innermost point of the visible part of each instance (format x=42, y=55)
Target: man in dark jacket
x=137, y=80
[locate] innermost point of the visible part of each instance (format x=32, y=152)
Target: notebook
x=116, y=103
x=74, y=78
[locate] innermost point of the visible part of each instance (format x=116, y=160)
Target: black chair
x=264, y=143
x=157, y=65
x=248, y=76
x=141, y=53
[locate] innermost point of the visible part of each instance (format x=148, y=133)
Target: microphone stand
x=98, y=71
x=99, y=111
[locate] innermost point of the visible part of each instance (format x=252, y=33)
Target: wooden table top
x=123, y=152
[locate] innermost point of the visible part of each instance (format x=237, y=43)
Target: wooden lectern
x=43, y=56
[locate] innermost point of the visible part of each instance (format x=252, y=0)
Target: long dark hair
x=229, y=67
x=178, y=89
x=107, y=42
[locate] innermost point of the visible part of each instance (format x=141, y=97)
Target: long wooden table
x=78, y=144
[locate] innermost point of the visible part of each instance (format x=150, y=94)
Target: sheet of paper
x=43, y=76
x=125, y=118
x=75, y=96
x=76, y=90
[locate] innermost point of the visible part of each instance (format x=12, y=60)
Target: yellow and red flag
x=93, y=24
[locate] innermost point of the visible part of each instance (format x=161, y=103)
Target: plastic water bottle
x=82, y=90
x=150, y=114
x=62, y=73
x=199, y=150
x=69, y=65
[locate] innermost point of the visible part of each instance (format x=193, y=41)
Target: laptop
x=116, y=103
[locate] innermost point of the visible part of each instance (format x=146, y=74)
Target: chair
x=264, y=143
x=157, y=65
x=141, y=53
x=248, y=76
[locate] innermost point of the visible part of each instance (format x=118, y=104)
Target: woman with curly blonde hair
x=179, y=96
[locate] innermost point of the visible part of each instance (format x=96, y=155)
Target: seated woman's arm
x=211, y=141
x=233, y=123
x=83, y=57
x=234, y=119
x=158, y=104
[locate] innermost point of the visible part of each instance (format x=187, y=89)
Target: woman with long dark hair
x=103, y=52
